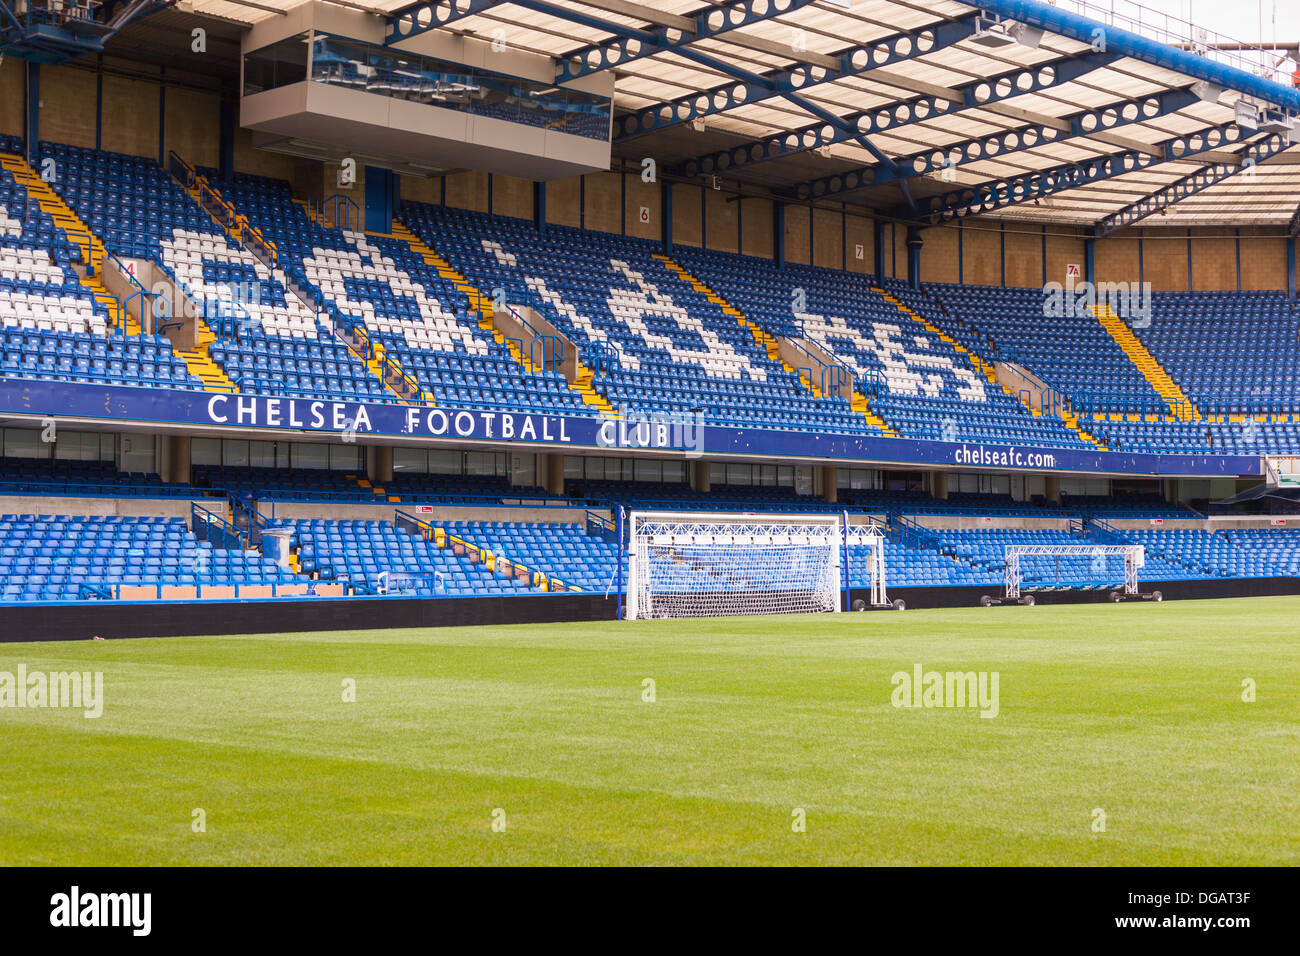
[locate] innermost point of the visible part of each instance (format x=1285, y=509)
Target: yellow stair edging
x=768, y=342
x=65, y=218
x=1180, y=406
x=200, y=363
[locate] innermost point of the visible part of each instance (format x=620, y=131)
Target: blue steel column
x=666, y=214
x=1290, y=267
x=778, y=233
x=914, y=244
x=33, y=125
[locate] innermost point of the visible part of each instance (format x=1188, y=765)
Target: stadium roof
x=954, y=114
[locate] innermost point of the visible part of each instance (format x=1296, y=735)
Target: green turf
x=1134, y=709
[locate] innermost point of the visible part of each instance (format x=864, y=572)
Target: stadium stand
x=384, y=290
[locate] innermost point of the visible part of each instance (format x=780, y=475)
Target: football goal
x=1071, y=567
x=698, y=564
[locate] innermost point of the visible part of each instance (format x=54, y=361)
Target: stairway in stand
x=92, y=249
x=1180, y=406
x=482, y=304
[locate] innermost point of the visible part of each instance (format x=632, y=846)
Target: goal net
x=684, y=564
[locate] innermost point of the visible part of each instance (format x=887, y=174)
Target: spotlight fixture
x=1026, y=35
x=991, y=34
x=1207, y=92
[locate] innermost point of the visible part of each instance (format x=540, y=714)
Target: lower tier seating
x=69, y=557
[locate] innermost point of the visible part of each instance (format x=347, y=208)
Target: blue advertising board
x=301, y=417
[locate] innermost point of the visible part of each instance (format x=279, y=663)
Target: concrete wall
x=385, y=512
x=143, y=507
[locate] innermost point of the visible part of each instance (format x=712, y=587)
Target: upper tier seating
x=420, y=318
x=1073, y=353
x=669, y=349
x=269, y=340
x=51, y=326
x=1230, y=351
x=129, y=202
x=918, y=383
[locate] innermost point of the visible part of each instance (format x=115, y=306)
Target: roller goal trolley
x=1037, y=568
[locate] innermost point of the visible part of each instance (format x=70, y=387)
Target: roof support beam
x=854, y=61
x=1001, y=144
x=1025, y=187
x=1202, y=179
x=891, y=117
x=628, y=45
x=823, y=114
x=422, y=17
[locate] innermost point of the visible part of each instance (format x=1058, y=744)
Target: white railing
x=1257, y=58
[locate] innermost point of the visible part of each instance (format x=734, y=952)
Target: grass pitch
x=1134, y=710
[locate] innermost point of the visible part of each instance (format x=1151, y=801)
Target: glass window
x=480, y=463
x=25, y=443
x=574, y=466
x=675, y=472
x=234, y=453
x=138, y=454
x=309, y=456
x=261, y=454
x=739, y=474
x=205, y=451
x=647, y=470
x=347, y=457
x=443, y=461
x=454, y=86
x=415, y=460
x=77, y=446
x=279, y=64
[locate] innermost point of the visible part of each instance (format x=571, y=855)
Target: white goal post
x=1134, y=558
x=706, y=564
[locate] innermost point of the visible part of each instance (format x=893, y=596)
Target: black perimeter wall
x=92, y=619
